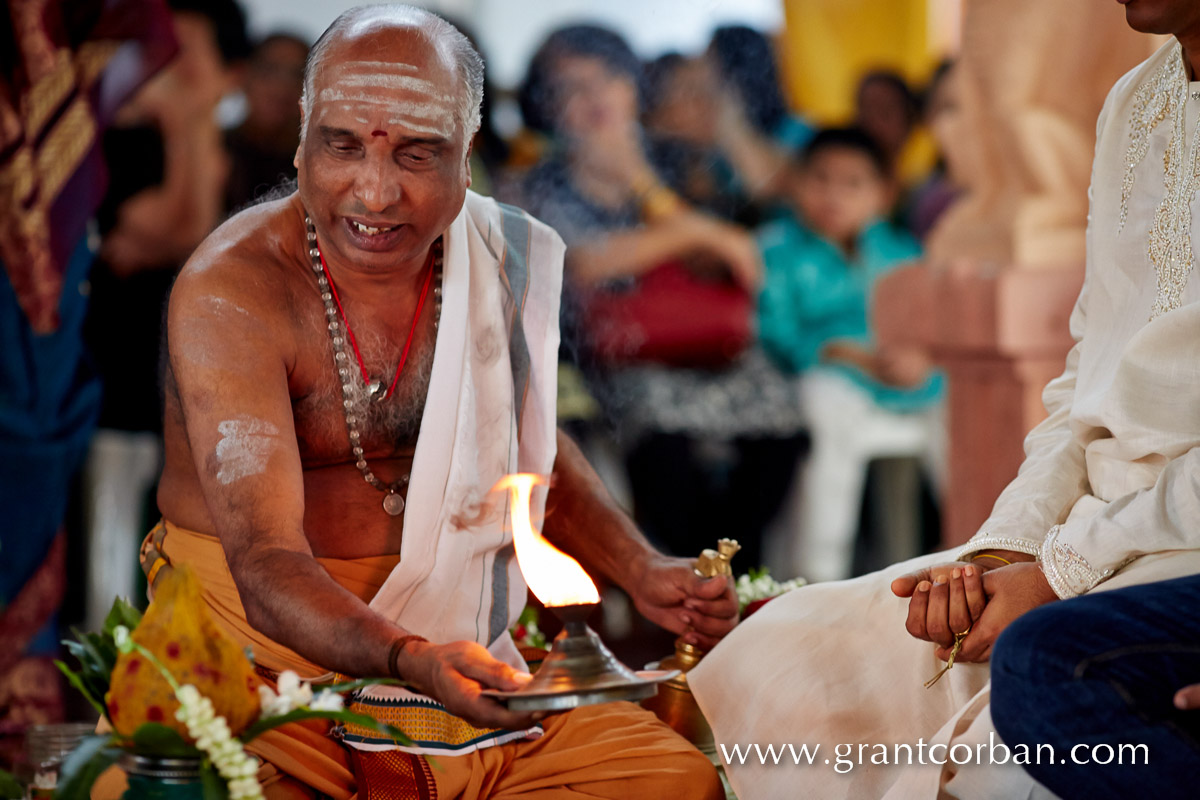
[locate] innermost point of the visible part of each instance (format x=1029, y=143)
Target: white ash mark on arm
x=244, y=448
x=223, y=305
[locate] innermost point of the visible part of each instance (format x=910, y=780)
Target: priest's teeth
x=370, y=231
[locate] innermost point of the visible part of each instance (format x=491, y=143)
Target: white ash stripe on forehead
x=375, y=80
x=374, y=66
x=445, y=130
x=427, y=110
x=428, y=118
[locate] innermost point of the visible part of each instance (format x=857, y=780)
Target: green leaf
x=75, y=680
x=105, y=649
x=92, y=687
x=84, y=764
x=121, y=613
x=367, y=721
x=9, y=788
x=214, y=786
x=94, y=666
x=97, y=657
x=156, y=739
x=87, y=665
x=350, y=686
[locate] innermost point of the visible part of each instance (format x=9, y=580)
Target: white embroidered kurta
x=1108, y=496
x=1112, y=473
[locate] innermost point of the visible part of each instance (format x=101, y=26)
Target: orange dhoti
x=615, y=750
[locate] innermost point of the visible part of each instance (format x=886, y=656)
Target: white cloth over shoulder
x=1108, y=496
x=490, y=412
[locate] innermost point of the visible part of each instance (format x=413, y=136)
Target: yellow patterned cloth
x=432, y=728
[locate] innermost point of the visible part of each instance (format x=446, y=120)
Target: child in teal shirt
x=822, y=263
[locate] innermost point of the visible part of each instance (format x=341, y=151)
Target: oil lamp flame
x=554, y=577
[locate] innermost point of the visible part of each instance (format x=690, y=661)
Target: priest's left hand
x=668, y=592
x=1011, y=591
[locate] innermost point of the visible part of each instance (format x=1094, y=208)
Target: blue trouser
x=1103, y=670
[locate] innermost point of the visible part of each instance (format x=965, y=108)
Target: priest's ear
x=466, y=164
x=303, y=127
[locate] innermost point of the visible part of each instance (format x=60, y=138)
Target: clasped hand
x=669, y=593
x=948, y=599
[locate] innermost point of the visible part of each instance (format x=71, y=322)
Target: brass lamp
x=579, y=669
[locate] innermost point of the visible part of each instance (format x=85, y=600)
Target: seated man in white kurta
x=1108, y=496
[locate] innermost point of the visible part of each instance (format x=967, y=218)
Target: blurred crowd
x=717, y=352
x=718, y=362
x=722, y=251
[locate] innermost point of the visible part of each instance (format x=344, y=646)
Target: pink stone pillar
x=993, y=295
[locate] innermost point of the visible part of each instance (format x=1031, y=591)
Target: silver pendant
x=373, y=391
x=393, y=504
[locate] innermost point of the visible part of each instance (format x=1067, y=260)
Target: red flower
x=755, y=606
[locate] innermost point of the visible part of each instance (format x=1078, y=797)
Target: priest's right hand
x=456, y=674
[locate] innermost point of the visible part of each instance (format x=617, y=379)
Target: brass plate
x=645, y=686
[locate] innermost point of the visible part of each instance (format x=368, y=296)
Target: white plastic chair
x=815, y=534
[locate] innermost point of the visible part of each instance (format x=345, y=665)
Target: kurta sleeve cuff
x=984, y=541
x=1068, y=573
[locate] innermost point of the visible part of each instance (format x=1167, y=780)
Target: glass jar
x=155, y=778
x=46, y=746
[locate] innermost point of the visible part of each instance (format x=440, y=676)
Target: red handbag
x=669, y=316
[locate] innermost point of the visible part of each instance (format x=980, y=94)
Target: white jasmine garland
x=761, y=586
x=299, y=693
x=273, y=705
x=213, y=737
x=327, y=701
x=211, y=733
x=292, y=693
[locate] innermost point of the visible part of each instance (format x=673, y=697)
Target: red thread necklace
x=374, y=386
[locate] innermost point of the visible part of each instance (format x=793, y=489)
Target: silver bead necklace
x=393, y=499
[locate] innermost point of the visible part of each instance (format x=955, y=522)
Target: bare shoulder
x=252, y=265
x=240, y=287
